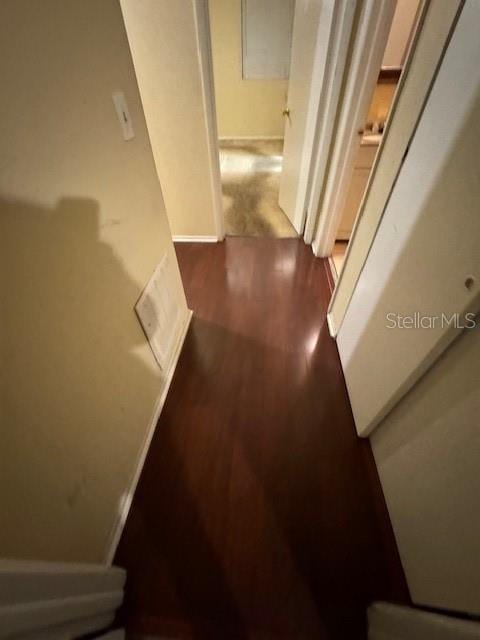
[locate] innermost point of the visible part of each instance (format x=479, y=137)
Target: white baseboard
x=195, y=239
x=224, y=138
x=157, y=410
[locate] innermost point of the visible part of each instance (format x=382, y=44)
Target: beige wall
x=163, y=39
x=245, y=108
x=428, y=457
x=82, y=227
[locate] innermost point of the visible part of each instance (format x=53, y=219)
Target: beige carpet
x=250, y=181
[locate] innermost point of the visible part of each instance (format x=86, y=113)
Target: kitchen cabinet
x=363, y=164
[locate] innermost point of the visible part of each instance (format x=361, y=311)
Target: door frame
x=366, y=58
x=427, y=47
x=327, y=107
x=399, y=274
x=331, y=48
x=205, y=56
x=322, y=170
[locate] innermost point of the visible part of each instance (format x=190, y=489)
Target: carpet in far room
x=250, y=171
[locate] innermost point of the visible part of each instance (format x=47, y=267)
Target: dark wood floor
x=259, y=513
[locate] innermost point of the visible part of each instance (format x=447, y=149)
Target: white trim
x=205, y=56
x=386, y=620
x=317, y=90
x=426, y=48
x=125, y=508
x=54, y=601
x=337, y=56
x=331, y=326
x=195, y=238
x=40, y=615
x=370, y=41
x=79, y=571
x=395, y=252
x=233, y=138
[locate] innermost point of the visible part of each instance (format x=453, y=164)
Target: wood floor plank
x=259, y=513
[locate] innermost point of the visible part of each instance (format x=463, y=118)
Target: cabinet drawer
x=354, y=198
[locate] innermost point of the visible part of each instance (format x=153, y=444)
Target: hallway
x=259, y=513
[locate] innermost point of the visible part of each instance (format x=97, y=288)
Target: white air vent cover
x=158, y=310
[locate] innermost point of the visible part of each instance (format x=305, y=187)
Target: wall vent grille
x=158, y=311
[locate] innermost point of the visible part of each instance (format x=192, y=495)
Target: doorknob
x=286, y=112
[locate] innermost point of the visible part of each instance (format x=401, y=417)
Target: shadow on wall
x=75, y=400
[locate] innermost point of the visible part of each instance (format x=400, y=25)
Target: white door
x=421, y=277
x=310, y=17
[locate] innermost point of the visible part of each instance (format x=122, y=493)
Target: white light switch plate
x=123, y=114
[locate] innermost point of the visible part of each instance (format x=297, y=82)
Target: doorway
x=254, y=48
x=250, y=174
x=400, y=36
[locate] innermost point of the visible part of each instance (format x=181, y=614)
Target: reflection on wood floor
x=259, y=514
x=250, y=182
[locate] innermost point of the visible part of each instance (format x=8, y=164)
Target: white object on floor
x=57, y=601
x=392, y=622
